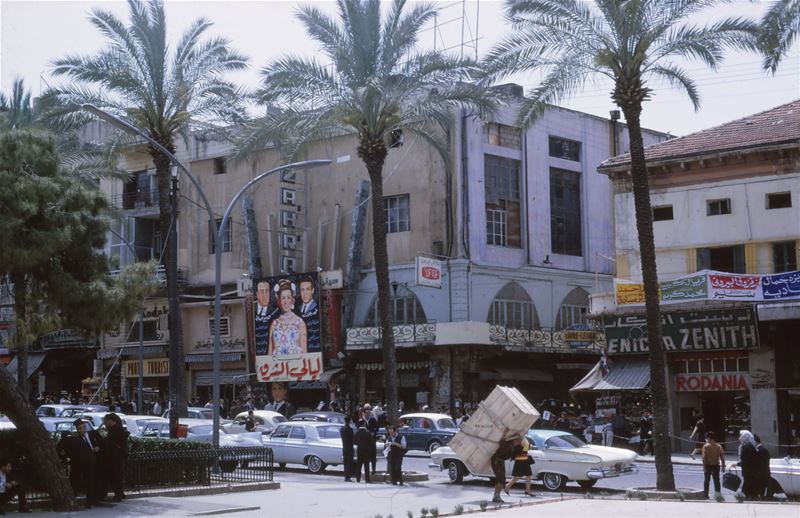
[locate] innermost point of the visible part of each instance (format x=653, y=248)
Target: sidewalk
x=583, y=508
x=677, y=458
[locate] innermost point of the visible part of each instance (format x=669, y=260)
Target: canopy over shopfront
x=34, y=362
x=623, y=374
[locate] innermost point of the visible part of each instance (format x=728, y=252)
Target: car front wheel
x=433, y=446
x=455, y=471
x=315, y=464
x=554, y=481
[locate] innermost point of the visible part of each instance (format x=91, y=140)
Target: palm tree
x=628, y=42
x=162, y=92
x=16, y=110
x=376, y=86
x=779, y=27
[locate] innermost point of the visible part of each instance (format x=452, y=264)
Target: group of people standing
x=359, y=449
x=96, y=463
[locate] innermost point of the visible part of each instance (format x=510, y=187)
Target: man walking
x=365, y=446
x=645, y=433
x=396, y=449
x=82, y=449
x=346, y=433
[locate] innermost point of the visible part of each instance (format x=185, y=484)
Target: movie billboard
x=288, y=328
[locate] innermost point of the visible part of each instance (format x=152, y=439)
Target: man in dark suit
x=279, y=403
x=348, y=452
x=372, y=426
x=365, y=450
x=82, y=449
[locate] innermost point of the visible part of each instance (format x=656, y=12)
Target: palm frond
x=677, y=77
x=779, y=28
x=564, y=79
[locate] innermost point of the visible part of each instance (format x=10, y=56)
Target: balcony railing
x=136, y=200
x=403, y=334
x=161, y=275
x=548, y=340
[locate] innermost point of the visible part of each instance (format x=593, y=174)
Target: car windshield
x=278, y=419
x=329, y=432
x=563, y=441
x=446, y=423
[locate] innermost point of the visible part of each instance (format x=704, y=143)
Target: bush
x=483, y=505
x=459, y=509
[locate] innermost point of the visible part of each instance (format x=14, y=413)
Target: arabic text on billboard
x=287, y=328
x=684, y=331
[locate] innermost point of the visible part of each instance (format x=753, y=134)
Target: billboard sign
x=288, y=327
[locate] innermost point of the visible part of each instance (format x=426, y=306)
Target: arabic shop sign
x=711, y=285
x=300, y=367
x=711, y=382
x=710, y=330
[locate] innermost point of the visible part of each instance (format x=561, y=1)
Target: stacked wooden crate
x=503, y=414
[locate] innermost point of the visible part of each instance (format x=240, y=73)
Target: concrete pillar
x=459, y=287
x=764, y=398
x=440, y=382
x=362, y=385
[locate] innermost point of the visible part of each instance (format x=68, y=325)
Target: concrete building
x=521, y=222
x=725, y=201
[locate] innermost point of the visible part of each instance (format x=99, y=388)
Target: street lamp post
x=130, y=128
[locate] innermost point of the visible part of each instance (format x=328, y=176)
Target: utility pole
x=175, y=356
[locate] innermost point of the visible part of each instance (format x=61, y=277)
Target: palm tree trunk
x=177, y=396
x=665, y=480
x=43, y=456
x=373, y=153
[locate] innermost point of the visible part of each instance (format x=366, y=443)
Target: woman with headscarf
x=748, y=461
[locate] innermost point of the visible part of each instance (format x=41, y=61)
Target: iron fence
x=174, y=469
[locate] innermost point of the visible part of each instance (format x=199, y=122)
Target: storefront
x=708, y=369
x=155, y=379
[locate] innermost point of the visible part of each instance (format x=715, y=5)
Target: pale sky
x=34, y=32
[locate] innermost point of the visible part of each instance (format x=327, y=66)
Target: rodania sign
x=712, y=382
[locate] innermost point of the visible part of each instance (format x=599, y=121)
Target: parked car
x=135, y=424
x=194, y=412
x=61, y=410
x=314, y=444
x=323, y=417
x=96, y=418
x=424, y=431
x=559, y=457
x=62, y=424
x=785, y=476
x=266, y=421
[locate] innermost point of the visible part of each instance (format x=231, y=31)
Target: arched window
x=573, y=309
x=404, y=307
x=513, y=308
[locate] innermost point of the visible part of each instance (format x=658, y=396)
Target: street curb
x=193, y=491
x=502, y=507
x=227, y=511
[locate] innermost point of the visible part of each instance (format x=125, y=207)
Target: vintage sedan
x=323, y=417
x=266, y=421
x=314, y=444
x=785, y=476
x=425, y=431
x=559, y=457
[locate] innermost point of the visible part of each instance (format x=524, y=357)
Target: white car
x=135, y=424
x=266, y=421
x=559, y=457
x=313, y=444
x=785, y=476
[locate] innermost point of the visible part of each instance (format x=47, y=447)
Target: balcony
x=144, y=201
x=161, y=275
x=406, y=335
x=540, y=340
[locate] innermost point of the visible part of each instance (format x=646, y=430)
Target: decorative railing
x=136, y=200
x=403, y=334
x=539, y=339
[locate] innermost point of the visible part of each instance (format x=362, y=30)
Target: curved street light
x=133, y=130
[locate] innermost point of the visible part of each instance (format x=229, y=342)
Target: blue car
x=426, y=431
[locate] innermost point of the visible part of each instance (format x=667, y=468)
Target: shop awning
x=623, y=374
x=34, y=362
x=401, y=366
x=778, y=311
x=501, y=373
x=208, y=357
x=226, y=377
x=131, y=351
x=308, y=385
x=329, y=374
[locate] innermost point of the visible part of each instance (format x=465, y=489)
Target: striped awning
x=623, y=374
x=403, y=366
x=208, y=357
x=34, y=362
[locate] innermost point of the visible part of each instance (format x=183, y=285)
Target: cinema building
x=725, y=210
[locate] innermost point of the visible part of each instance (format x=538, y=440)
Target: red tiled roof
x=775, y=126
